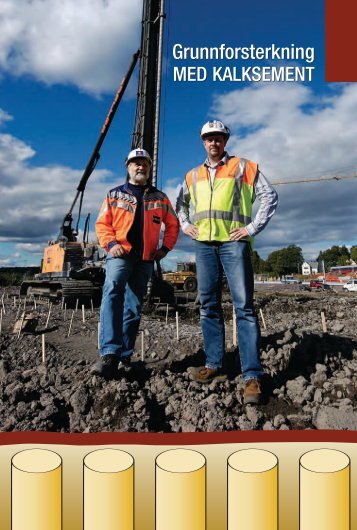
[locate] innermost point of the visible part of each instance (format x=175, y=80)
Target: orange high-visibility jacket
x=117, y=213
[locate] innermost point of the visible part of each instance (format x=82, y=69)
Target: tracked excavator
x=74, y=270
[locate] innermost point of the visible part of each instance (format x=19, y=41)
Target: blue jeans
x=124, y=288
x=234, y=258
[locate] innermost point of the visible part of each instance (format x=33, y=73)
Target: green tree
x=354, y=253
x=345, y=256
x=285, y=261
x=257, y=262
x=334, y=256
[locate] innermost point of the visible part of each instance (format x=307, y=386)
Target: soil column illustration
x=180, y=490
x=108, y=490
x=36, y=489
x=325, y=490
x=252, y=490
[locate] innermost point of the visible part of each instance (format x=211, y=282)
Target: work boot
x=203, y=374
x=106, y=366
x=252, y=392
x=125, y=364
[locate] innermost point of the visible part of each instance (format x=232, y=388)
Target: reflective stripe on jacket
x=226, y=205
x=117, y=213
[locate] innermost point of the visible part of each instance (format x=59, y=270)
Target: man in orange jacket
x=128, y=228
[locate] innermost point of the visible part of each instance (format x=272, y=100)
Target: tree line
x=16, y=275
x=290, y=259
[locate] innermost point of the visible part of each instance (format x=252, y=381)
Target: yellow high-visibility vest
x=228, y=204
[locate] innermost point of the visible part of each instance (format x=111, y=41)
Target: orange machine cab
x=57, y=255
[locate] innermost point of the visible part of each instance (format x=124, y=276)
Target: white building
x=309, y=267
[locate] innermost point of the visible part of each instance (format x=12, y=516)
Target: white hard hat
x=215, y=127
x=138, y=153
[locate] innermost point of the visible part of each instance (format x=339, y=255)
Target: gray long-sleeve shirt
x=264, y=191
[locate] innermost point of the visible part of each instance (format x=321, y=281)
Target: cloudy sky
x=61, y=63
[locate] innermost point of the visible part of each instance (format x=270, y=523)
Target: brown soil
x=311, y=375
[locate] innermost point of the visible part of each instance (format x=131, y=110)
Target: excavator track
x=68, y=290
x=79, y=289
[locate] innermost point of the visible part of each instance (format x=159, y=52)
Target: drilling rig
x=73, y=269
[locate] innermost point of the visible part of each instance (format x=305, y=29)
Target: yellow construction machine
x=184, y=277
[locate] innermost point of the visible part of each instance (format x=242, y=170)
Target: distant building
x=309, y=267
x=344, y=270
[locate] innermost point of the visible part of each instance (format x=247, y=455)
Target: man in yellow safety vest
x=221, y=193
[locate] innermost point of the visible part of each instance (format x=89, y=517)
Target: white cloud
x=295, y=133
x=34, y=248
x=169, y=263
x=290, y=129
x=172, y=191
x=4, y=117
x=34, y=200
x=87, y=43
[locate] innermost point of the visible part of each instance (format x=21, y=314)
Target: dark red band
x=203, y=438
x=340, y=40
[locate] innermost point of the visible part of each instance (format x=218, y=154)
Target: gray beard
x=140, y=178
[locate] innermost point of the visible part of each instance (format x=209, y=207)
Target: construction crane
x=313, y=179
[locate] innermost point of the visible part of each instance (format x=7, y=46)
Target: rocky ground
x=310, y=384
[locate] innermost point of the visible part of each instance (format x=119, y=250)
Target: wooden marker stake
x=70, y=324
x=323, y=320
x=21, y=324
x=48, y=316
x=177, y=325
x=43, y=347
x=262, y=317
x=234, y=331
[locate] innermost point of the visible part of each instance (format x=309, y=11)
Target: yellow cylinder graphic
x=324, y=490
x=36, y=476
x=108, y=490
x=252, y=490
x=180, y=493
